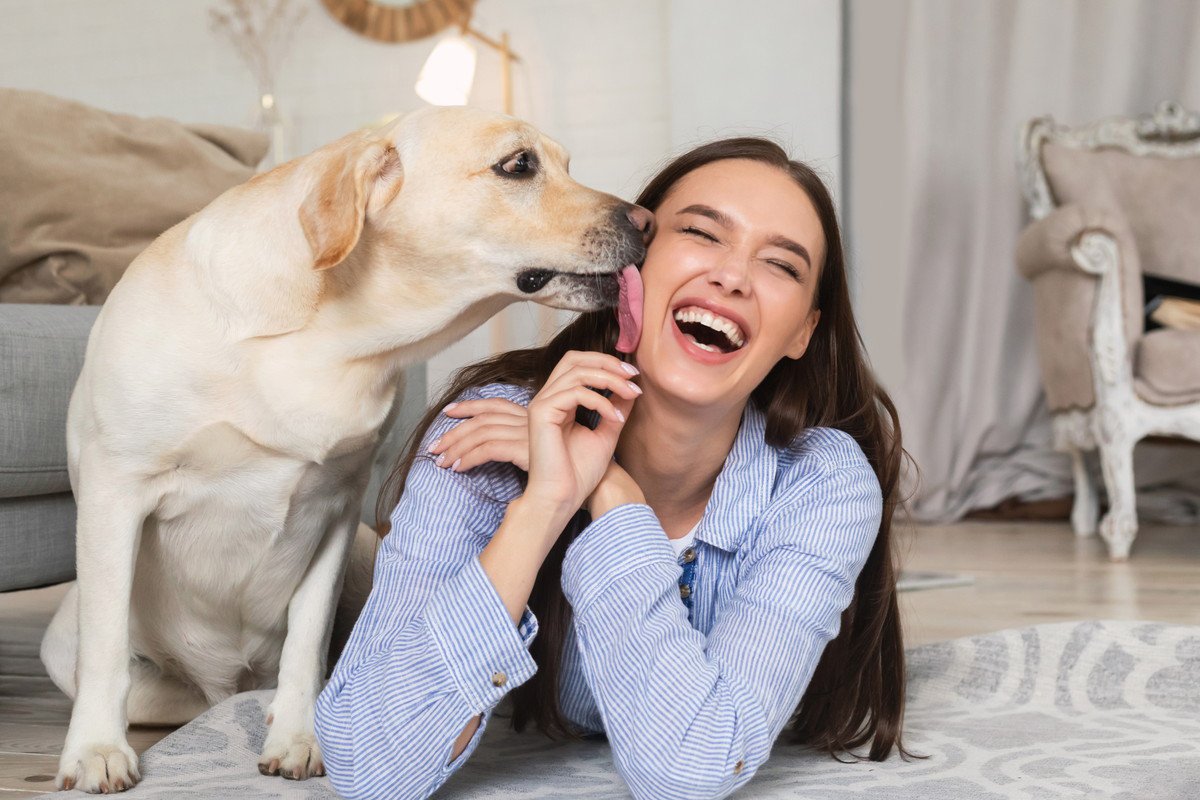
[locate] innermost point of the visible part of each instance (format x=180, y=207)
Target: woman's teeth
x=715, y=321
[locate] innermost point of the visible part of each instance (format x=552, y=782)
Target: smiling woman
x=709, y=565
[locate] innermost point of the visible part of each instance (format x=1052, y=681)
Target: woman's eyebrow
x=789, y=245
x=719, y=217
x=722, y=219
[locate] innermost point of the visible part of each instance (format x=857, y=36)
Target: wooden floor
x=1024, y=574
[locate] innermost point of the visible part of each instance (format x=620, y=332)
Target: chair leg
x=1086, y=510
x=1119, y=526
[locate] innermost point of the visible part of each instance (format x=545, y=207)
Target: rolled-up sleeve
x=434, y=645
x=693, y=715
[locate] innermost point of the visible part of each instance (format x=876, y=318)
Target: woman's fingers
x=598, y=379
x=480, y=412
x=484, y=443
x=587, y=359
x=472, y=423
x=565, y=401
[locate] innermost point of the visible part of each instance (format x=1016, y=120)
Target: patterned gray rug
x=1093, y=709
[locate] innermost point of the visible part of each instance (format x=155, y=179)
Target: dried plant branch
x=261, y=32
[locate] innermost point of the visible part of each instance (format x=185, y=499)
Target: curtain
x=969, y=75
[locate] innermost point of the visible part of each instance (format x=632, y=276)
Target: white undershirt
x=685, y=541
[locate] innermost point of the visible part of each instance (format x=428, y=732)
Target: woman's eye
x=519, y=164
x=788, y=268
x=698, y=232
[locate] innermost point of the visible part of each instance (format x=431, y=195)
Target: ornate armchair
x=1110, y=200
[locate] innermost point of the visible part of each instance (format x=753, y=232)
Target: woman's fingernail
x=634, y=386
x=630, y=368
x=454, y=466
x=620, y=416
x=434, y=446
x=447, y=408
x=440, y=459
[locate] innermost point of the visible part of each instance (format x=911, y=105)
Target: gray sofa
x=41, y=353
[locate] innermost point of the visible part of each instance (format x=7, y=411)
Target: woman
x=713, y=561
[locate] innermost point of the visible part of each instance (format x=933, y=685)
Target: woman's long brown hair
x=856, y=695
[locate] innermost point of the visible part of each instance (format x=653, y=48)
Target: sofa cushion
x=41, y=354
x=1167, y=367
x=37, y=538
x=83, y=191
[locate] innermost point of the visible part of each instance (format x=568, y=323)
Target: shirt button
x=685, y=591
x=689, y=555
x=499, y=679
x=737, y=768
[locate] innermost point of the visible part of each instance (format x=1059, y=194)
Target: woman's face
x=738, y=240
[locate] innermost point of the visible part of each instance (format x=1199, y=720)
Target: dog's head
x=472, y=200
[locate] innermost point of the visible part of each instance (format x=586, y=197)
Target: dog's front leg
x=96, y=756
x=291, y=748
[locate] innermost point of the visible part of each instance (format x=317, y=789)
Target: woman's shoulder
x=823, y=449
x=823, y=475
x=824, y=465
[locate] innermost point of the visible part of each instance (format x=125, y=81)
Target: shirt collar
x=743, y=487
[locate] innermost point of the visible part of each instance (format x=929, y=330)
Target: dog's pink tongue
x=629, y=308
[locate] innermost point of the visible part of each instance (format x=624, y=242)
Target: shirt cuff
x=486, y=653
x=620, y=541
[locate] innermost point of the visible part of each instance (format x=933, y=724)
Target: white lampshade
x=446, y=78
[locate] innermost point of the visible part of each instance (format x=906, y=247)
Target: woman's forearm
x=516, y=552
x=512, y=560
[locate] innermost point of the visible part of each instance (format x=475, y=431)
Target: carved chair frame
x=1119, y=418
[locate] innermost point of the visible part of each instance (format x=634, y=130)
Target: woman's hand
x=616, y=488
x=567, y=460
x=494, y=429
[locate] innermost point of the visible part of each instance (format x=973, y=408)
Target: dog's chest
x=335, y=411
x=223, y=474
x=235, y=531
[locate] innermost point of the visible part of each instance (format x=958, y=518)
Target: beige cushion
x=1159, y=200
x=1167, y=367
x=83, y=191
x=1065, y=297
x=1159, y=196
x=1091, y=178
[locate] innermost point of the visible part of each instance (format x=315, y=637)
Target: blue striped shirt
x=691, y=695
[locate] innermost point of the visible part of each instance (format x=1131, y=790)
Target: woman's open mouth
x=707, y=337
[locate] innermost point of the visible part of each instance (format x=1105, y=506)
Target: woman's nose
x=732, y=274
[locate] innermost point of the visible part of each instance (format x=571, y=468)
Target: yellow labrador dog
x=233, y=395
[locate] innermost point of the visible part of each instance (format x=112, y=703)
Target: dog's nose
x=642, y=220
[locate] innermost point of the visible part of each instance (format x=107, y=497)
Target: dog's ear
x=351, y=181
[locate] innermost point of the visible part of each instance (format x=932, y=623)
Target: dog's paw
x=99, y=769
x=296, y=757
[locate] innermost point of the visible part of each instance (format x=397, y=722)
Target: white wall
x=621, y=83
x=760, y=67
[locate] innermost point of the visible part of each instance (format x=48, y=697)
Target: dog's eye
x=519, y=164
